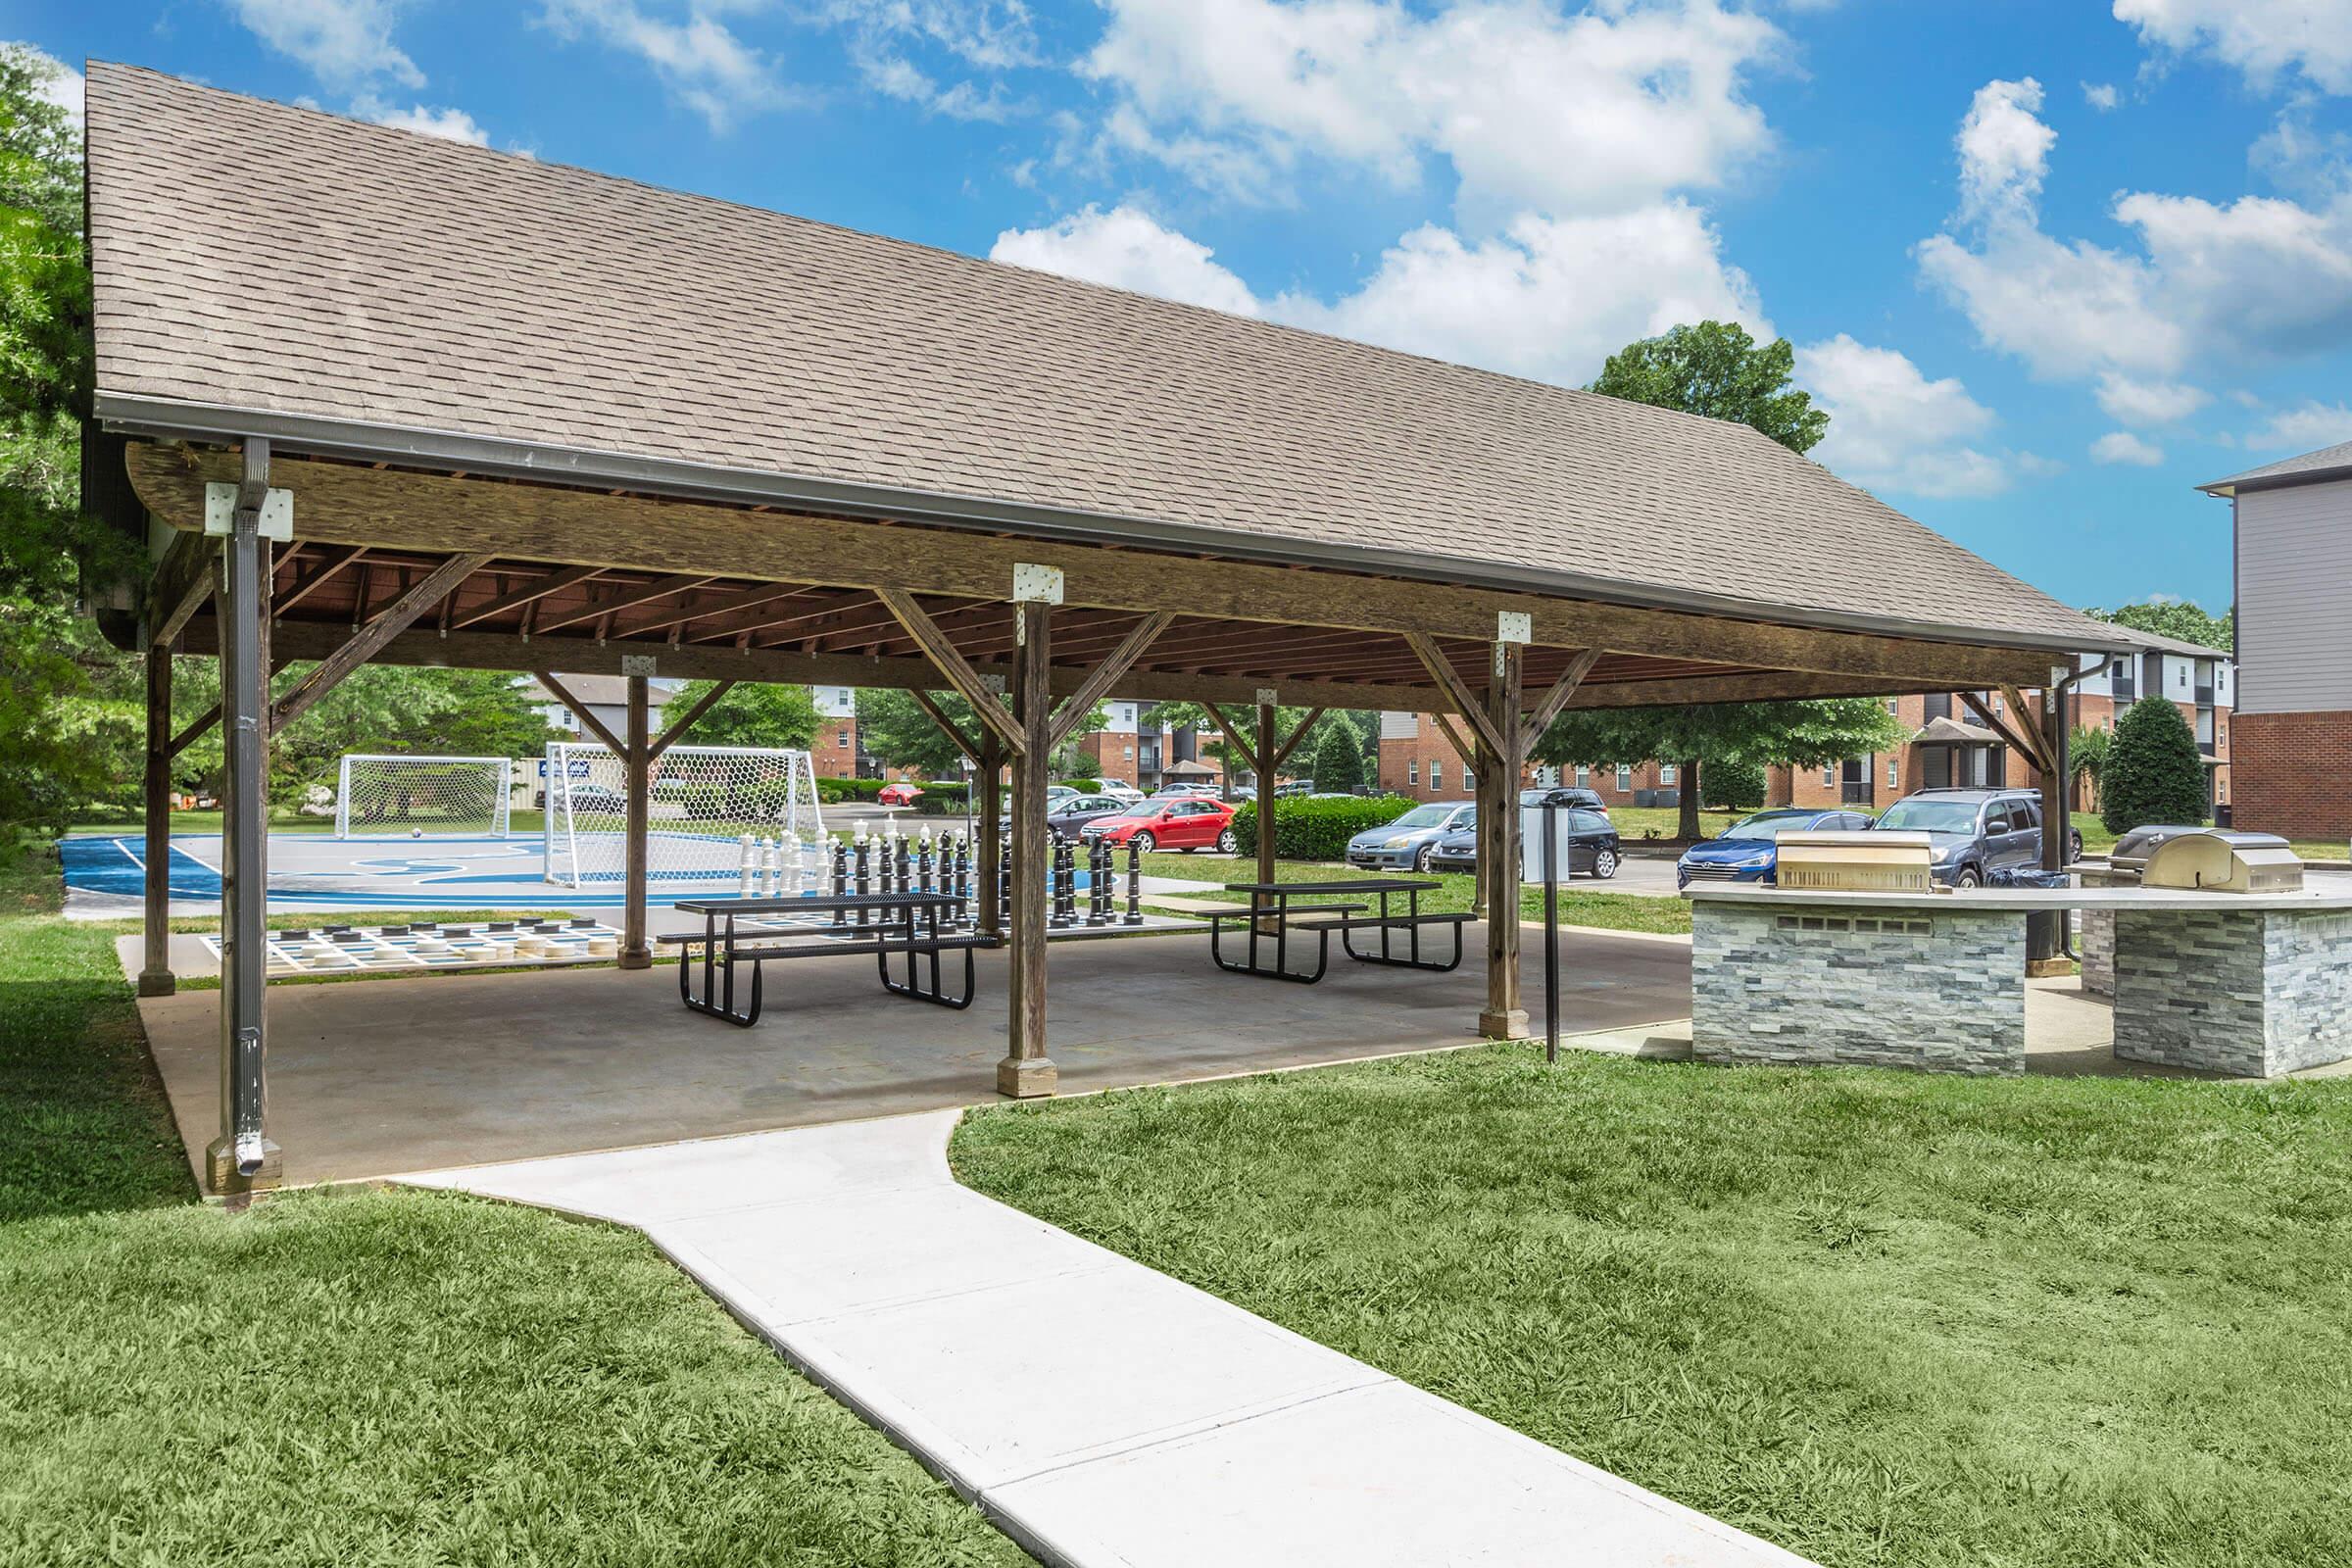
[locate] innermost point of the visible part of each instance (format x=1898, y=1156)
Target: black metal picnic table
x=1270, y=907
x=816, y=926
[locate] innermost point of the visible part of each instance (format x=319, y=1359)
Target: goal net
x=439, y=797
x=704, y=799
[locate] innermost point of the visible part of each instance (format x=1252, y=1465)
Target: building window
x=1437, y=774
x=1665, y=772
x=845, y=739
x=1892, y=781
x=1469, y=778
x=1412, y=771
x=1127, y=751
x=1892, y=707
x=1624, y=778
x=1584, y=778
x=1829, y=775
x=2221, y=736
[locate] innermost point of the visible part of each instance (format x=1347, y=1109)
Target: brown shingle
x=263, y=257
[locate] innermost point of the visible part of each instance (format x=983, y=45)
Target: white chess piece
x=748, y=873
x=768, y=866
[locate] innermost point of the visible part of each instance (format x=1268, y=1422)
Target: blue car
x=1748, y=852
x=1404, y=844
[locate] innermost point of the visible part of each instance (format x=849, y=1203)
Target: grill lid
x=2222, y=862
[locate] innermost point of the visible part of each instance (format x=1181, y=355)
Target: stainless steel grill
x=1876, y=861
x=2213, y=859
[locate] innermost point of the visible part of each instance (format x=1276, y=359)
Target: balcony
x=2204, y=696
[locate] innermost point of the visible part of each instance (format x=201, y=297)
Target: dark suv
x=1977, y=832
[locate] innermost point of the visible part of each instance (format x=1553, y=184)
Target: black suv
x=1977, y=832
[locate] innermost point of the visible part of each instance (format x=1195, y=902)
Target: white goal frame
x=582, y=832
x=497, y=818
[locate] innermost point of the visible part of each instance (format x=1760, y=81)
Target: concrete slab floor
x=373, y=1077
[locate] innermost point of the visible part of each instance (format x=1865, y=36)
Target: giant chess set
x=435, y=945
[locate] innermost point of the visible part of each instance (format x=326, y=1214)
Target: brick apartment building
x=1944, y=745
x=2292, y=523
x=834, y=750
x=1133, y=748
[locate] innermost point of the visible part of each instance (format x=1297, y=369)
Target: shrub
x=1338, y=759
x=2153, y=772
x=1731, y=786
x=834, y=791
x=1307, y=829
x=1085, y=786
x=942, y=799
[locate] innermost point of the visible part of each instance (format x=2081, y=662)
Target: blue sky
x=2050, y=265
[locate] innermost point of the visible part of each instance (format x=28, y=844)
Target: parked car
x=901, y=793
x=1068, y=816
x=1975, y=832
x=1186, y=823
x=1119, y=790
x=1294, y=786
x=1563, y=795
x=1748, y=851
x=1178, y=792
x=1591, y=842
x=1403, y=845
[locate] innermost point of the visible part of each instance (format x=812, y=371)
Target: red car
x=899, y=794
x=1170, y=824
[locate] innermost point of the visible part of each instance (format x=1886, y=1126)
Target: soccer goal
x=704, y=799
x=421, y=797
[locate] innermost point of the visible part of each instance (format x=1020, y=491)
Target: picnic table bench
x=1270, y=919
x=816, y=926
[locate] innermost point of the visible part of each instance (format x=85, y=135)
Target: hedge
x=2154, y=772
x=834, y=791
x=1308, y=829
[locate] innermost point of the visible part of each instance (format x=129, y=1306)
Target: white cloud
x=2304, y=428
x=1605, y=110
x=2260, y=38
x=695, y=56
x=2137, y=401
x=2300, y=158
x=62, y=83
x=1893, y=430
x=2004, y=151
x=450, y=124
x=1127, y=249
x=344, y=42
x=991, y=36
x=2260, y=277
x=2122, y=446
x=2101, y=95
x=1547, y=299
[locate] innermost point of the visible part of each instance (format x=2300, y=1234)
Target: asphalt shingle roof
x=2327, y=460
x=269, y=258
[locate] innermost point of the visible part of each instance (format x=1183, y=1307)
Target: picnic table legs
x=1281, y=939
x=930, y=988
x=718, y=970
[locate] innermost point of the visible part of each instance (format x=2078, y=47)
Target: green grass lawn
x=1886, y=1320
x=369, y=1377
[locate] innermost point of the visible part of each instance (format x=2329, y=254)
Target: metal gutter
x=177, y=419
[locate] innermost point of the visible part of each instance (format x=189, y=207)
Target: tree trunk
x=1688, y=828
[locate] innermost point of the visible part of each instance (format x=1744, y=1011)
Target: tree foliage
x=2086, y=752
x=895, y=729
x=390, y=707
x=1715, y=369
x=753, y=713
x=1813, y=732
x=2185, y=620
x=1339, y=761
x=2153, y=772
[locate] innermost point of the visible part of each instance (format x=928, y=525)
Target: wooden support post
x=2045, y=948
x=635, y=954
x=1026, y=1069
x=155, y=969
x=988, y=854
x=1503, y=1018
x=242, y=1158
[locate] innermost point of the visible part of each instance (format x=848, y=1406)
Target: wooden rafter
x=310, y=581
x=1466, y=705
x=627, y=599
x=765, y=593
x=182, y=581
x=1235, y=739
x=1289, y=744
x=2040, y=753
x=1454, y=736
x=1104, y=675
x=554, y=582
x=2009, y=737
x=581, y=711
x=395, y=620
x=956, y=667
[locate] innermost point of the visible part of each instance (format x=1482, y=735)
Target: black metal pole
x=1552, y=933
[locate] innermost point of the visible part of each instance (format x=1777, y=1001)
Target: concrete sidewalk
x=1101, y=1412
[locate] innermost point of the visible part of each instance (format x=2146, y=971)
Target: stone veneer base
x=1800, y=984
x=2253, y=995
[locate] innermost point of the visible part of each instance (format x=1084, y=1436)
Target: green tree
x=1338, y=759
x=2086, y=752
x=896, y=729
x=2185, y=620
x=395, y=708
x=1734, y=784
x=2153, y=772
x=64, y=706
x=753, y=713
x=1716, y=369
x=1811, y=733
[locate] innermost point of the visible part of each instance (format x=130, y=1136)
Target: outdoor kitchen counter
x=2249, y=984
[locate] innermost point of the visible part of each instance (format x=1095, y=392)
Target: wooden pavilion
x=374, y=396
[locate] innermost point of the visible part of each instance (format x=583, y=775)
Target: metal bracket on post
x=637, y=664
x=274, y=515
x=1036, y=585
x=1267, y=696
